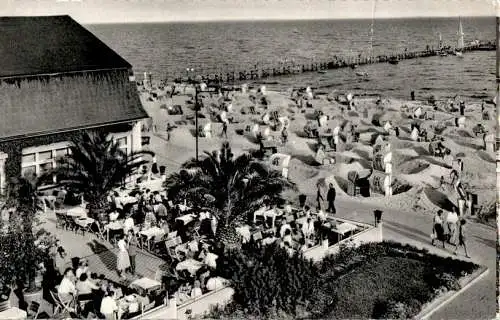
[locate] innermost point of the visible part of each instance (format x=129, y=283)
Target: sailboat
x=460, y=44
x=364, y=74
x=442, y=53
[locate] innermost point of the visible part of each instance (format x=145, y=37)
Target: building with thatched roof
x=57, y=78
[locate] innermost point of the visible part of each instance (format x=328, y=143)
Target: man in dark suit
x=330, y=197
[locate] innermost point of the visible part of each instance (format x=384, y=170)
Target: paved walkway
x=479, y=302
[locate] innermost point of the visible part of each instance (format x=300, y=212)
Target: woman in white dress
x=123, y=260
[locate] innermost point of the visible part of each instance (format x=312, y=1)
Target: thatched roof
x=51, y=44
x=51, y=104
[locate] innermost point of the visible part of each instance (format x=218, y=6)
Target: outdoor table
x=13, y=314
x=272, y=213
x=126, y=200
x=190, y=265
x=259, y=212
x=152, y=232
x=244, y=231
x=126, y=302
x=344, y=228
x=115, y=225
x=77, y=212
x=51, y=200
x=146, y=284
x=186, y=219
x=269, y=240
x=183, y=207
x=301, y=221
x=84, y=222
x=186, y=247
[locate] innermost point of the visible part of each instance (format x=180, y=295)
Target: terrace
x=175, y=254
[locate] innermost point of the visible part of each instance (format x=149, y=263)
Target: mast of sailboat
x=460, y=43
x=440, y=43
x=371, y=28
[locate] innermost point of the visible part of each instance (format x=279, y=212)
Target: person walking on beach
x=330, y=197
x=319, y=197
x=123, y=260
x=284, y=136
x=224, y=129
x=438, y=230
x=461, y=237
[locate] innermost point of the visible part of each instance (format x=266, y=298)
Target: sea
x=167, y=49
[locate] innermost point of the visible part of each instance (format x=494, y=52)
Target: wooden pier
x=284, y=69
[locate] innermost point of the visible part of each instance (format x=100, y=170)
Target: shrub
x=377, y=280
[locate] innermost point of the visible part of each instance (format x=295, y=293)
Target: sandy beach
x=416, y=172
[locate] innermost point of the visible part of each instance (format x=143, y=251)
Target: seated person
x=149, y=219
x=322, y=215
x=210, y=259
x=184, y=293
x=128, y=224
x=113, y=216
x=287, y=239
x=118, y=293
x=143, y=299
x=83, y=267
x=283, y=229
x=196, y=291
x=164, y=226
x=67, y=290
x=203, y=274
x=109, y=306
x=84, y=286
x=134, y=305
x=303, y=245
x=161, y=210
x=215, y=283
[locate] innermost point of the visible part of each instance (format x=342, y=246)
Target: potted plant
x=24, y=252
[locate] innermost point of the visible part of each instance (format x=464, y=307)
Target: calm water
x=167, y=49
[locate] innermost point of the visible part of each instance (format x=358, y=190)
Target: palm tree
x=232, y=188
x=95, y=166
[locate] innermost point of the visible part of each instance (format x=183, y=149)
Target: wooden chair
x=60, y=220
x=33, y=310
x=60, y=307
x=172, y=235
x=170, y=246
x=257, y=236
x=100, y=231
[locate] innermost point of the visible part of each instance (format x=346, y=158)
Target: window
x=39, y=160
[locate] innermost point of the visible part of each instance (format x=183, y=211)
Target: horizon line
x=282, y=19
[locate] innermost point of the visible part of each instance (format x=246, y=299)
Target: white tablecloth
x=126, y=199
x=190, y=265
x=77, y=212
x=153, y=232
x=345, y=227
x=244, y=231
x=13, y=314
x=183, y=207
x=187, y=218
x=84, y=221
x=116, y=225
x=146, y=284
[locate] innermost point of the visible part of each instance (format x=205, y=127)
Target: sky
x=117, y=11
